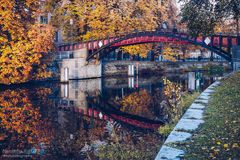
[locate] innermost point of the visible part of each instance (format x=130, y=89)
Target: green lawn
x=219, y=136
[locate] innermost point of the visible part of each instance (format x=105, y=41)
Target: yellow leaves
x=109, y=18
x=225, y=146
x=171, y=90
x=3, y=39
x=225, y=27
x=218, y=142
x=19, y=130
x=214, y=152
x=169, y=54
x=97, y=20
x=137, y=103
x=42, y=73
x=18, y=116
x=235, y=145
x=22, y=42
x=141, y=49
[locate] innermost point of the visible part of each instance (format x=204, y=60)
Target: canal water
x=108, y=118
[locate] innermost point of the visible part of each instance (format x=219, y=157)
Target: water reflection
x=92, y=119
x=22, y=125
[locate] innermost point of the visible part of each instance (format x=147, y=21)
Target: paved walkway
x=189, y=122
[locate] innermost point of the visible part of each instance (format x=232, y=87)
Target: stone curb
x=189, y=122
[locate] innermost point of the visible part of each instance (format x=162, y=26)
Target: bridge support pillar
x=64, y=75
x=131, y=70
x=131, y=82
x=236, y=57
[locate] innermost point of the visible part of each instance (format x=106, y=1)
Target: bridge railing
x=172, y=33
x=137, y=32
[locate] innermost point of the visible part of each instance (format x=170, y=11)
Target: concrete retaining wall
x=114, y=68
x=77, y=69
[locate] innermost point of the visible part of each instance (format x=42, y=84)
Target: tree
x=228, y=9
x=199, y=16
x=97, y=19
x=23, y=42
x=205, y=16
x=140, y=49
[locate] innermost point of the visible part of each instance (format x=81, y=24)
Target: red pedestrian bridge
x=217, y=43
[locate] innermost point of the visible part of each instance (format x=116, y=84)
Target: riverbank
x=219, y=136
x=186, y=100
x=210, y=127
x=142, y=68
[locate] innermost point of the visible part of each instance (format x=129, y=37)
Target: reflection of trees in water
x=169, y=106
x=21, y=123
x=138, y=103
x=162, y=103
x=77, y=137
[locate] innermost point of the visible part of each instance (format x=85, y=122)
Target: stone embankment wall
x=77, y=67
x=115, y=68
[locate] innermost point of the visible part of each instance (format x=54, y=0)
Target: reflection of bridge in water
x=76, y=97
x=135, y=121
x=89, y=97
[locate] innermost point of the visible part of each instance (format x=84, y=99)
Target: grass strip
x=219, y=136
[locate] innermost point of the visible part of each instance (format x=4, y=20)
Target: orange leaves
x=138, y=103
x=18, y=115
x=41, y=38
x=98, y=19
x=2, y=136
x=18, y=111
x=42, y=72
x=172, y=91
x=169, y=54
x=23, y=43
x=141, y=49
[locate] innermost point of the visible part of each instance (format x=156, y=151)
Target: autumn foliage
x=137, y=103
x=21, y=121
x=99, y=19
x=23, y=42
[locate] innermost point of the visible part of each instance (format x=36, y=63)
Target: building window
x=43, y=20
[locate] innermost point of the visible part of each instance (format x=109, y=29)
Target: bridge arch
x=214, y=43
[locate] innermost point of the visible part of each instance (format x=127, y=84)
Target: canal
x=108, y=118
